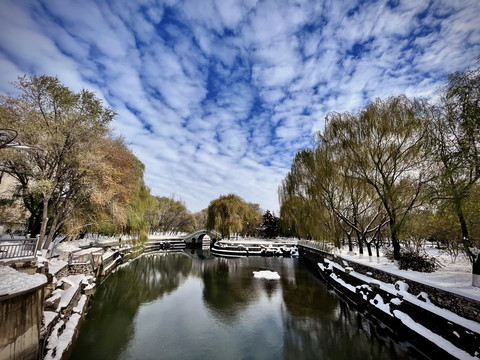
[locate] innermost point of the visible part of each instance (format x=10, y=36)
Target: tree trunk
x=350, y=244
x=394, y=235
x=53, y=229
x=369, y=247
x=476, y=272
x=468, y=246
x=360, y=245
x=34, y=224
x=43, y=227
x=396, y=247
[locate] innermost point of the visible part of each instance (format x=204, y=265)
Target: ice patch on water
x=266, y=274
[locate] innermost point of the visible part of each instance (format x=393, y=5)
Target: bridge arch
x=197, y=236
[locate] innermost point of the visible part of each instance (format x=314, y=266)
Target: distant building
x=13, y=214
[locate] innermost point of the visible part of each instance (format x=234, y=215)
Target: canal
x=191, y=305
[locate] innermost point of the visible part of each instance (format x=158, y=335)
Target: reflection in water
x=195, y=307
x=226, y=293
x=109, y=321
x=320, y=326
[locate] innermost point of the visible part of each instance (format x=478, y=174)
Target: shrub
x=413, y=260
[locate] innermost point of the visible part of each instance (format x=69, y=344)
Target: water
x=194, y=306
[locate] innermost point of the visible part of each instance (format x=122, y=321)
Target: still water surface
x=195, y=306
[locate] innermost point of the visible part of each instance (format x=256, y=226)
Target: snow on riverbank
x=398, y=294
x=453, y=277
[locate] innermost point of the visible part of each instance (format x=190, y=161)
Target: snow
x=343, y=283
x=89, y=287
x=55, y=265
x=434, y=338
x=68, y=246
x=107, y=254
x=67, y=295
x=48, y=317
x=58, y=343
x=401, y=289
x=453, y=277
x=89, y=251
x=378, y=302
x=13, y=281
x=266, y=274
x=81, y=304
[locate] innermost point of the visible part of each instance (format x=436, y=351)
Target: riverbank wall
x=21, y=322
x=73, y=284
x=42, y=322
x=439, y=322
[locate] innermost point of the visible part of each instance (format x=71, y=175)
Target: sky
x=216, y=96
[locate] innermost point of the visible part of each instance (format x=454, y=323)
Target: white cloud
x=216, y=96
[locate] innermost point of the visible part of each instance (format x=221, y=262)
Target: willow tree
x=200, y=218
x=383, y=145
x=170, y=215
x=351, y=200
x=302, y=206
x=455, y=139
x=65, y=125
x=227, y=214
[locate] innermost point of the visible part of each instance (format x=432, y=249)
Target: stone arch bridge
x=198, y=236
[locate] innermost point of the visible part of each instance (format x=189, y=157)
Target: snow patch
x=58, y=343
x=13, y=281
x=48, y=317
x=55, y=265
x=434, y=338
x=266, y=274
x=81, y=305
x=380, y=304
x=343, y=283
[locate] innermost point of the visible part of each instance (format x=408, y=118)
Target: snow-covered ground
x=13, y=281
x=454, y=277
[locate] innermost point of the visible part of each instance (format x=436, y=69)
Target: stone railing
x=458, y=304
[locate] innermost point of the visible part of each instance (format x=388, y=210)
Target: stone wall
x=81, y=268
x=21, y=320
x=402, y=313
x=460, y=305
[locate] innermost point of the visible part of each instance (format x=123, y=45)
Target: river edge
x=76, y=283
x=436, y=322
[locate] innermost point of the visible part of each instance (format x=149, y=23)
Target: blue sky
x=216, y=96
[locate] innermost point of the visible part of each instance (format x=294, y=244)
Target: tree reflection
x=227, y=290
x=143, y=280
x=340, y=334
x=314, y=323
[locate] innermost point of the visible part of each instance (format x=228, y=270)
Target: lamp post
x=7, y=140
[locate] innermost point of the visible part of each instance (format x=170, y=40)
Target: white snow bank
x=61, y=342
x=48, y=317
x=266, y=274
x=453, y=277
x=13, y=281
x=67, y=295
x=55, y=265
x=412, y=298
x=437, y=339
x=81, y=304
